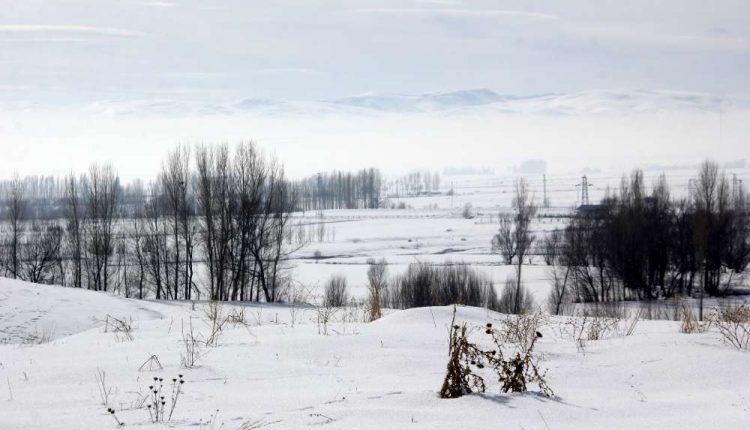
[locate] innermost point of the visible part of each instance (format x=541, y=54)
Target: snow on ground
x=279, y=372
x=28, y=315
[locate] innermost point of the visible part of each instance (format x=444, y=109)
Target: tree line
x=414, y=184
x=643, y=244
x=340, y=190
x=213, y=224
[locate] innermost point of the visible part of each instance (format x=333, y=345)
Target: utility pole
x=545, y=201
x=584, y=190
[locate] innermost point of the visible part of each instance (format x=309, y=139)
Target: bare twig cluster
x=216, y=319
x=587, y=328
x=192, y=349
x=122, y=328
x=151, y=364
x=101, y=384
x=733, y=324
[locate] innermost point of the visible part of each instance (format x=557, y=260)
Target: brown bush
x=514, y=364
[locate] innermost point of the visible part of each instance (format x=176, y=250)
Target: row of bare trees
x=641, y=245
x=340, y=190
x=414, y=184
x=211, y=225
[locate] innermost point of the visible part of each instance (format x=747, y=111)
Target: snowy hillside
x=31, y=312
x=279, y=372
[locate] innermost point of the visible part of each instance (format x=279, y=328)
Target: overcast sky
x=62, y=53
x=59, y=50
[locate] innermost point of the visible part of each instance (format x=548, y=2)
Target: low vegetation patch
x=454, y=283
x=733, y=324
x=509, y=356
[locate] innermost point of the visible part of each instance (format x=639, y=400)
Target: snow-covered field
x=279, y=372
x=432, y=229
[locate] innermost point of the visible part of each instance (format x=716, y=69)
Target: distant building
x=590, y=210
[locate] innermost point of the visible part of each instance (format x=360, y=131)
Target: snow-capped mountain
x=423, y=102
x=618, y=102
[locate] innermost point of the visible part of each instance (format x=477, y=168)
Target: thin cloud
x=67, y=29
x=479, y=13
x=275, y=70
x=159, y=4
x=196, y=75
x=441, y=2
x=15, y=87
x=646, y=38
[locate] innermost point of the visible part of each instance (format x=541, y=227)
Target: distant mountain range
x=455, y=102
x=598, y=101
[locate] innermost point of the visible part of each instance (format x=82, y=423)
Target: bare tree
x=137, y=241
x=711, y=196
x=40, y=254
x=514, y=238
x=154, y=249
x=214, y=182
x=515, y=298
x=101, y=200
x=16, y=216
x=275, y=220
x=74, y=233
x=504, y=240
x=175, y=181
x=377, y=279
x=556, y=256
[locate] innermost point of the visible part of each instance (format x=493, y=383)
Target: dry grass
x=192, y=347
x=122, y=328
x=688, y=322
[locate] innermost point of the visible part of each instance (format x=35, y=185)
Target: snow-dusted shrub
x=522, y=330
x=459, y=377
x=514, y=297
x=296, y=296
x=325, y=316
x=733, y=323
x=587, y=327
x=335, y=294
x=514, y=366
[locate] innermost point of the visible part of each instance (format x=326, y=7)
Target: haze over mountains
x=604, y=129
x=618, y=101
